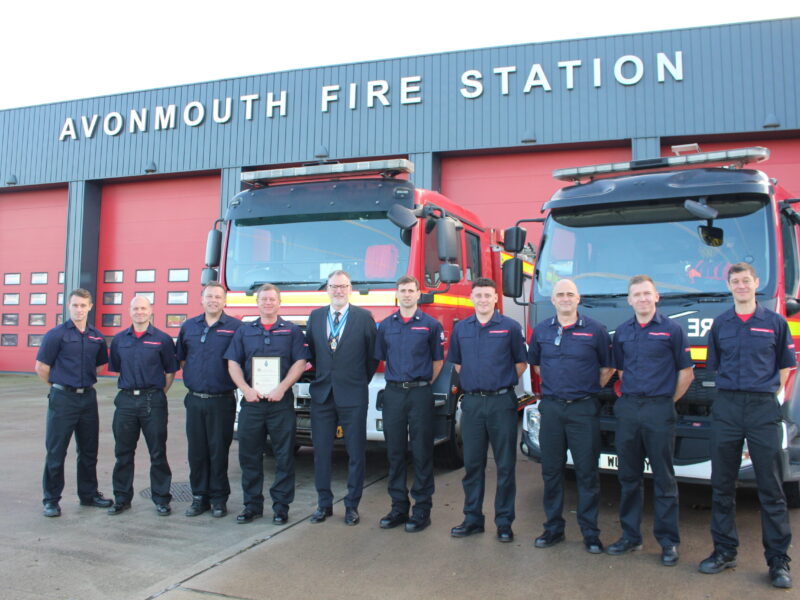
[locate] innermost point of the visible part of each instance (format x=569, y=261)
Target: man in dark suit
x=341, y=339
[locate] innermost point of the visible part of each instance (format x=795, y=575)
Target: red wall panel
x=503, y=188
x=32, y=240
x=159, y=225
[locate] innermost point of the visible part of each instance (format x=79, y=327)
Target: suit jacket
x=347, y=371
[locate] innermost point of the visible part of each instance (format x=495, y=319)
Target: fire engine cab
x=683, y=222
x=292, y=227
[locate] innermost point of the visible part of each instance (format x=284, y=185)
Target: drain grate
x=181, y=492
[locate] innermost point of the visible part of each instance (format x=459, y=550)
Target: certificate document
x=266, y=372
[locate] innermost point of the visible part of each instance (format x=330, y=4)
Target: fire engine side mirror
x=514, y=239
x=792, y=307
x=213, y=247
x=512, y=278
x=449, y=273
x=208, y=274
x=401, y=216
x=447, y=239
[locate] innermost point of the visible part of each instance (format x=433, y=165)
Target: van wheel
x=792, y=491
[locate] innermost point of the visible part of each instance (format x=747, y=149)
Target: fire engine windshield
x=601, y=247
x=299, y=251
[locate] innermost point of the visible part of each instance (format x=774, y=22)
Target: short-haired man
x=145, y=359
x=411, y=342
x=571, y=353
x=268, y=404
x=651, y=355
x=752, y=351
x=69, y=360
x=210, y=401
x=488, y=351
x=341, y=339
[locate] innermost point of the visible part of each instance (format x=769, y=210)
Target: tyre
x=450, y=454
x=792, y=491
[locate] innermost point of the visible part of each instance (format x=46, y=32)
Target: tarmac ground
x=88, y=555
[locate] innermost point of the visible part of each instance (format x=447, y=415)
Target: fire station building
x=116, y=193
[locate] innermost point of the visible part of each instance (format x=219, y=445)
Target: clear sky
x=54, y=51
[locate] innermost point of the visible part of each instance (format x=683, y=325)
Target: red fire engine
x=292, y=227
x=683, y=222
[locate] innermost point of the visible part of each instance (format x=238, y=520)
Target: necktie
x=333, y=337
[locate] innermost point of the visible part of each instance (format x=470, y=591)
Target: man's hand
x=275, y=394
x=251, y=394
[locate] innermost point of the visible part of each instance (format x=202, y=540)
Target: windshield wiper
x=598, y=299
x=711, y=296
x=258, y=284
x=601, y=296
x=355, y=282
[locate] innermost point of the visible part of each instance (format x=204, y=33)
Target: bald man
x=146, y=362
x=571, y=353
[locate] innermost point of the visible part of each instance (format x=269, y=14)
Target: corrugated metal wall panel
x=734, y=75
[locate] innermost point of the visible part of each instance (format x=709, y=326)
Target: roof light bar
x=738, y=158
x=391, y=166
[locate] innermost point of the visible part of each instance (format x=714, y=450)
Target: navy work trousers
x=485, y=421
x=575, y=426
x=646, y=429
x=209, y=432
x=146, y=413
x=256, y=421
x=755, y=417
x=408, y=420
x=69, y=413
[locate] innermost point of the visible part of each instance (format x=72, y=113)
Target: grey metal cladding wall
x=733, y=77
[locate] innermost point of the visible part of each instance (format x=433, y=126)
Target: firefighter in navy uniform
x=752, y=351
x=69, y=359
x=572, y=355
x=210, y=401
x=267, y=411
x=488, y=350
x=651, y=355
x=411, y=342
x=145, y=359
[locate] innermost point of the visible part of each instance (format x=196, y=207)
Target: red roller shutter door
x=32, y=250
x=152, y=240
x=503, y=188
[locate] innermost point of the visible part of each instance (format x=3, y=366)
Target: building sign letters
x=471, y=84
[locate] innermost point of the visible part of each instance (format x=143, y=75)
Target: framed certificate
x=266, y=372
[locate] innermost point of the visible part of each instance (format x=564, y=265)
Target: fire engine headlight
x=533, y=421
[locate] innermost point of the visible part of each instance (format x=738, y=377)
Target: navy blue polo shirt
x=487, y=354
x=409, y=349
x=650, y=356
x=203, y=348
x=73, y=356
x=284, y=339
x=570, y=361
x=142, y=362
x=748, y=355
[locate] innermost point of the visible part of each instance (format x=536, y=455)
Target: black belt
x=570, y=400
x=205, y=395
x=499, y=392
x=408, y=384
x=74, y=390
x=141, y=391
x=764, y=395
